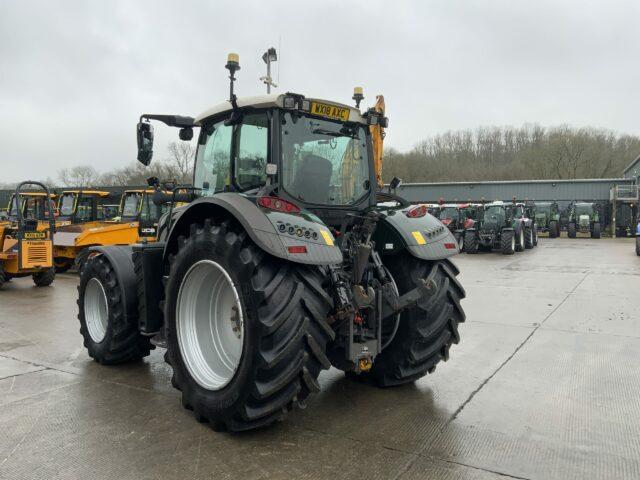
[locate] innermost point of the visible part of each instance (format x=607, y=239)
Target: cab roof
x=36, y=194
x=98, y=193
x=274, y=100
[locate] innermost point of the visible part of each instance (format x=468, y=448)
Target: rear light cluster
x=416, y=212
x=277, y=204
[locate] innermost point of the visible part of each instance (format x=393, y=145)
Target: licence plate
x=330, y=111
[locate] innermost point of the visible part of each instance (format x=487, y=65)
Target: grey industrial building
x=606, y=192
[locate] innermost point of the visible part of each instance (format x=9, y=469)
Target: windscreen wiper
x=331, y=133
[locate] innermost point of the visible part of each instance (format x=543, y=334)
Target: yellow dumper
x=26, y=244
x=137, y=221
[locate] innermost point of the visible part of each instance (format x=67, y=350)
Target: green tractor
x=287, y=260
x=498, y=226
x=625, y=224
x=547, y=218
x=584, y=218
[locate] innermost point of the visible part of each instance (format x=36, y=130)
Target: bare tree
x=180, y=160
x=78, y=176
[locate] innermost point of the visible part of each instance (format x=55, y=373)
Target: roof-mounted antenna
x=233, y=65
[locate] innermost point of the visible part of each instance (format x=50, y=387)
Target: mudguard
x=424, y=237
x=272, y=231
x=120, y=258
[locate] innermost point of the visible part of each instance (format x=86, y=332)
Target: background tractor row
x=282, y=264
x=503, y=226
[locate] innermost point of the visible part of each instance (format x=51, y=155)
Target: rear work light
x=275, y=203
x=417, y=211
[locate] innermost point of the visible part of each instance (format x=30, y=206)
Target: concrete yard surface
x=544, y=384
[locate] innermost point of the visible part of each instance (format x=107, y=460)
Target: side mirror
x=144, y=132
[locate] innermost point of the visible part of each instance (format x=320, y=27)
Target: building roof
x=501, y=182
x=270, y=101
x=633, y=164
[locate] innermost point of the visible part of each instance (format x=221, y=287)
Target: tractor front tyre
x=528, y=237
x=535, y=236
x=471, y=243
x=110, y=337
x=520, y=240
x=246, y=332
x=62, y=264
x=638, y=246
x=508, y=242
x=44, y=278
x=553, y=229
x=595, y=232
x=459, y=236
x=426, y=331
x=571, y=230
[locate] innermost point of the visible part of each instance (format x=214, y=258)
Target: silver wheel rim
x=96, y=310
x=209, y=324
x=461, y=243
x=513, y=243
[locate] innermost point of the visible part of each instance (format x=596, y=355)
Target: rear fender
x=424, y=237
x=269, y=230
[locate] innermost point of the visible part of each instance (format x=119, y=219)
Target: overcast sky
x=75, y=75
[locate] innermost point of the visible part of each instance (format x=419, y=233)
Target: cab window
x=213, y=160
x=84, y=211
x=252, y=142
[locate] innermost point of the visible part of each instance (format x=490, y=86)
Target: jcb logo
x=148, y=230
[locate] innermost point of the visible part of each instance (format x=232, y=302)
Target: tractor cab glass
x=449, y=212
x=233, y=157
x=584, y=209
x=130, y=206
x=323, y=162
x=66, y=205
x=543, y=208
x=518, y=211
x=150, y=212
x=494, y=215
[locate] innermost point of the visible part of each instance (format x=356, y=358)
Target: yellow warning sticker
x=327, y=237
x=419, y=238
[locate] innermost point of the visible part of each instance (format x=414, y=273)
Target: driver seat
x=313, y=179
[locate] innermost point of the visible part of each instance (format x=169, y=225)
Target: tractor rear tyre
x=109, y=336
x=553, y=229
x=426, y=331
x=571, y=232
x=62, y=264
x=246, y=332
x=535, y=236
x=471, y=242
x=44, y=278
x=595, y=233
x=528, y=238
x=508, y=242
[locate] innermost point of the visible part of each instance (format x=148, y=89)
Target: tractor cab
x=79, y=206
x=583, y=218
x=26, y=245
